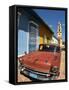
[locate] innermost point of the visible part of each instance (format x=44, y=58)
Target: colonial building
x=59, y=34
x=54, y=40
x=45, y=34
x=32, y=31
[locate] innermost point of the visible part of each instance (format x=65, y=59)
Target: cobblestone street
x=22, y=78
x=62, y=66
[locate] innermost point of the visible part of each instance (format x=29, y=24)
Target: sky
x=52, y=17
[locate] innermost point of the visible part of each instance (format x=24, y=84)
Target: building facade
x=54, y=40
x=32, y=31
x=45, y=34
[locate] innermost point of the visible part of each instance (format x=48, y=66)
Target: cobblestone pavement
x=22, y=78
x=62, y=66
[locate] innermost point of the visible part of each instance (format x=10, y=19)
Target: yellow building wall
x=43, y=30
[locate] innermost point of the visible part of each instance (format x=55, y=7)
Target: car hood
x=39, y=60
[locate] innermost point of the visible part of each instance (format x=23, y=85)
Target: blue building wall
x=23, y=27
x=22, y=33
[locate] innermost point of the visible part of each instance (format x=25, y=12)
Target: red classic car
x=43, y=64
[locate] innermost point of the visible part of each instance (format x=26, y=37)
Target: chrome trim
x=37, y=72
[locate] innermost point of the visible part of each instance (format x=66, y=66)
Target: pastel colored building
x=32, y=31
x=54, y=40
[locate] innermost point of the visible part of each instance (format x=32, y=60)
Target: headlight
x=54, y=69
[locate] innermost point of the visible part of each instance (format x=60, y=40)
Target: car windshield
x=49, y=48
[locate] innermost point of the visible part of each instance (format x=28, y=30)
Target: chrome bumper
x=37, y=75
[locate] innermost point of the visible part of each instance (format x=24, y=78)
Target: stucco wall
x=22, y=33
x=43, y=30
x=54, y=40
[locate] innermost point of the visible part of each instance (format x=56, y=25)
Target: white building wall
x=54, y=40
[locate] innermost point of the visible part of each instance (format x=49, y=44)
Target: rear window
x=49, y=48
